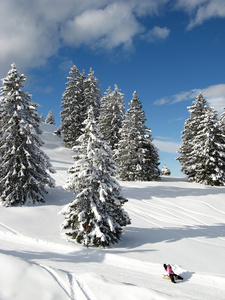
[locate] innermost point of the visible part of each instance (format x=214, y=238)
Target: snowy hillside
x=173, y=221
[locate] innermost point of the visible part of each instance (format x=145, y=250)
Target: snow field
x=173, y=221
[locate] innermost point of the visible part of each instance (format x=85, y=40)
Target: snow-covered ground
x=173, y=221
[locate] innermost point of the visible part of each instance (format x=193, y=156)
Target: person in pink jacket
x=171, y=274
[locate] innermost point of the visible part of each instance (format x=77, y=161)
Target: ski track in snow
x=76, y=289
x=176, y=215
x=9, y=229
x=148, y=277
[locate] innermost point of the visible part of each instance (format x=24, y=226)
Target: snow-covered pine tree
x=74, y=110
x=23, y=164
x=209, y=151
x=50, y=118
x=112, y=112
x=204, y=160
x=42, y=118
x=92, y=94
x=165, y=171
x=136, y=155
x=197, y=114
x=96, y=215
x=222, y=121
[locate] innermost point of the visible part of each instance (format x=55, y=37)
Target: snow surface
x=173, y=221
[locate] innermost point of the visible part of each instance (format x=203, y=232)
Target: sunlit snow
x=173, y=221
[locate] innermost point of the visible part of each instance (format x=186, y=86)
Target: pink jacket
x=169, y=270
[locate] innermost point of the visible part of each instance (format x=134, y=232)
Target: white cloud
x=106, y=28
x=161, y=101
x=156, y=34
x=201, y=10
x=33, y=31
x=214, y=95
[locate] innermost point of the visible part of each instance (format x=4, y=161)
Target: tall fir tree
x=204, y=160
x=197, y=114
x=73, y=105
x=50, y=118
x=136, y=155
x=96, y=216
x=222, y=121
x=23, y=164
x=92, y=94
x=112, y=112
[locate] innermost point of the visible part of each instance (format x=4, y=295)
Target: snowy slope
x=173, y=221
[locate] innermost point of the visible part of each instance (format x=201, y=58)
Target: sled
x=175, y=278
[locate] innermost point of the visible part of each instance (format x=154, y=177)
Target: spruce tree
x=92, y=94
x=112, y=112
x=42, y=118
x=74, y=107
x=165, y=171
x=222, y=121
x=209, y=152
x=136, y=155
x=23, y=164
x=50, y=119
x=96, y=215
x=197, y=114
x=203, y=149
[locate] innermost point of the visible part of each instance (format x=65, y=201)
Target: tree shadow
x=149, y=192
x=135, y=237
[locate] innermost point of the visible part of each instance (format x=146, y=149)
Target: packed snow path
x=173, y=221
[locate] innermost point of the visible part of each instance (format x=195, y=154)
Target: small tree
x=42, y=118
x=96, y=215
x=23, y=164
x=50, y=119
x=165, y=171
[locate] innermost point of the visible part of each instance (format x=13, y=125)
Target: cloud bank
x=33, y=31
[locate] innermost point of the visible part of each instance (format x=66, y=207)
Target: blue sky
x=167, y=50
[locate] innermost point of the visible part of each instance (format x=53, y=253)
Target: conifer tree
x=42, y=118
x=191, y=128
x=112, y=112
x=74, y=108
x=165, y=171
x=92, y=94
x=81, y=92
x=209, y=152
x=204, y=160
x=50, y=119
x=96, y=215
x=136, y=155
x=23, y=164
x=222, y=121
